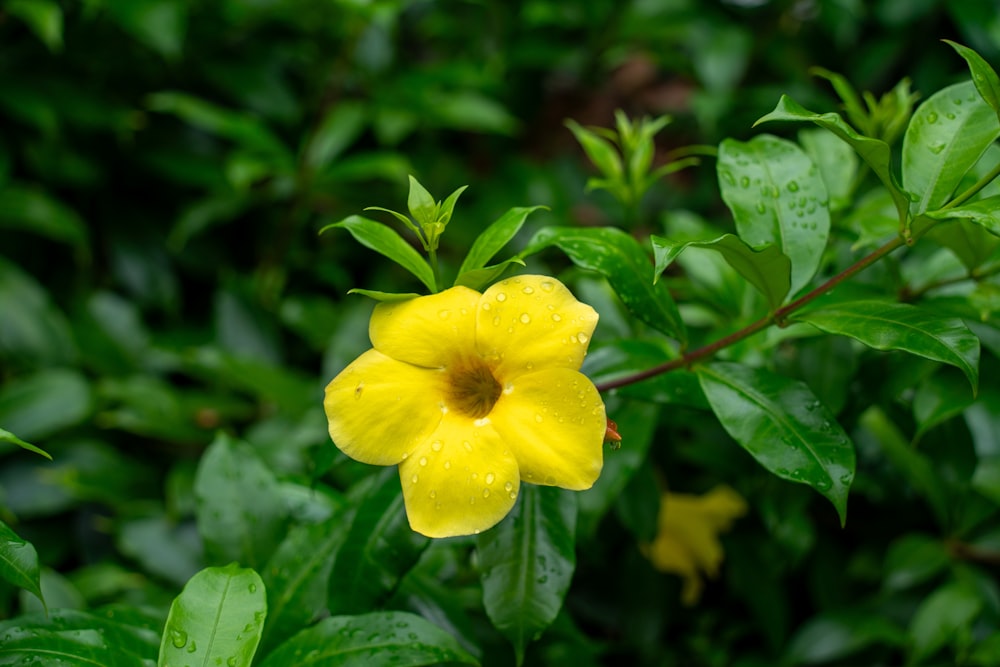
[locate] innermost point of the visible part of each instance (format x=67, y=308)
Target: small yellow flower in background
x=470, y=394
x=687, y=543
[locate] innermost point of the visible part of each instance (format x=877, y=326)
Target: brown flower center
x=472, y=389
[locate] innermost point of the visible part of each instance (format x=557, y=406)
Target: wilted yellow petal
x=687, y=542
x=533, y=322
x=427, y=331
x=379, y=409
x=554, y=423
x=461, y=480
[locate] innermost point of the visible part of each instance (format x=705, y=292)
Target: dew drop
x=486, y=493
x=936, y=148
x=556, y=317
x=447, y=465
x=582, y=337
x=252, y=588
x=472, y=500
x=415, y=478
x=528, y=290
x=467, y=445
x=547, y=286
x=932, y=118
x=490, y=478
x=539, y=418
x=422, y=461
x=745, y=182
x=525, y=318
x=508, y=486
x=178, y=638
x=436, y=445
x=444, y=314
x=232, y=661
x=793, y=186
x=761, y=208
x=513, y=495
x=501, y=297
x=728, y=176
x=496, y=321
x=432, y=495
x=486, y=306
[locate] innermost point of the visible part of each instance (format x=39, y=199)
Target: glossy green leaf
x=912, y=560
x=781, y=423
x=379, y=550
x=44, y=17
x=297, y=577
x=619, y=258
x=778, y=197
x=379, y=639
x=527, y=563
x=948, y=134
x=216, y=620
x=897, y=326
x=384, y=240
x=972, y=243
x=240, y=515
x=30, y=209
x=114, y=636
x=383, y=296
x=875, y=152
x=479, y=279
x=601, y=152
x=837, y=162
x=608, y=363
x=766, y=268
x=7, y=436
x=944, y=616
x=45, y=403
x=983, y=75
x=493, y=238
x=19, y=562
x=983, y=212
x=421, y=204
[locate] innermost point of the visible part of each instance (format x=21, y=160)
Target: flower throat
x=472, y=389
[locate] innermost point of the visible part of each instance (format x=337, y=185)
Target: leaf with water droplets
x=983, y=75
x=947, y=135
x=378, y=639
x=782, y=424
x=795, y=216
x=216, y=620
x=527, y=563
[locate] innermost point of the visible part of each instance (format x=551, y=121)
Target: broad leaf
x=238, y=504
x=421, y=204
x=19, y=562
x=493, y=238
x=386, y=241
x=766, y=268
x=607, y=363
x=782, y=424
x=944, y=616
x=983, y=212
x=837, y=162
x=983, y=75
x=297, y=575
x=835, y=636
x=875, y=152
x=948, y=134
x=379, y=550
x=527, y=563
x=114, y=636
x=216, y=620
x=777, y=196
x=381, y=639
x=897, y=326
x=42, y=404
x=619, y=258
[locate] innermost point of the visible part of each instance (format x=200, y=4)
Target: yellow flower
x=687, y=543
x=469, y=394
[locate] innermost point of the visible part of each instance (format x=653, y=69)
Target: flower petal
x=462, y=480
x=533, y=322
x=380, y=409
x=554, y=423
x=428, y=330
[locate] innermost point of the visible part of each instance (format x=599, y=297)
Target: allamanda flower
x=471, y=393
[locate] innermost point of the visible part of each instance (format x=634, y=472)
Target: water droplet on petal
x=444, y=314
x=414, y=479
x=556, y=317
x=539, y=418
x=490, y=477
x=528, y=290
x=432, y=495
x=467, y=444
x=547, y=285
x=422, y=461
x=508, y=486
x=486, y=306
x=447, y=465
x=501, y=297
x=436, y=445
x=525, y=318
x=496, y=321
x=582, y=337
x=486, y=493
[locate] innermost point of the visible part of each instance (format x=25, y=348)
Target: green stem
x=432, y=257
x=980, y=184
x=777, y=317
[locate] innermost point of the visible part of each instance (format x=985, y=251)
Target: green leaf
x=30, y=209
x=834, y=636
x=7, y=436
x=493, y=238
x=973, y=244
x=421, y=204
x=527, y=563
x=477, y=279
x=619, y=258
x=766, y=268
x=44, y=17
x=390, y=297
x=777, y=196
x=912, y=560
x=19, y=562
x=114, y=636
x=162, y=546
x=601, y=152
x=837, y=162
x=159, y=24
x=384, y=240
x=33, y=331
x=606, y=363
x=240, y=515
x=216, y=620
x=983, y=75
x=943, y=617
x=947, y=135
x=340, y=127
x=379, y=550
x=898, y=326
x=448, y=205
x=781, y=424
x=378, y=639
x=875, y=152
x=939, y=398
x=297, y=576
x=45, y=403
x=983, y=212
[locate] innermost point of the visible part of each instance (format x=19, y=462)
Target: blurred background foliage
x=165, y=166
